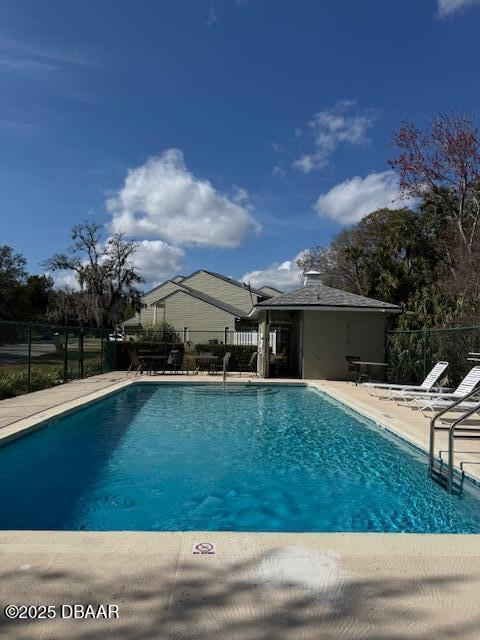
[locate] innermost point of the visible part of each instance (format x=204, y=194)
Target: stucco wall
x=329, y=336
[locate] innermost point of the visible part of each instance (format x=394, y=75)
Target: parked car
x=117, y=336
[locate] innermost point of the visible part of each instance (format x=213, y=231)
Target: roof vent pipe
x=312, y=277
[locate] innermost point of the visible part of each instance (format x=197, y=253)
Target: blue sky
x=228, y=135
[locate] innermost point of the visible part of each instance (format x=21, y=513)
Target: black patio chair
x=205, y=361
x=146, y=363
x=251, y=365
x=352, y=368
x=175, y=360
x=135, y=363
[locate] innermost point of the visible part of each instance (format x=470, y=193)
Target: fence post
x=425, y=352
x=101, y=351
x=80, y=348
x=65, y=356
x=29, y=375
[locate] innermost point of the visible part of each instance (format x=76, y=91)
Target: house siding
x=147, y=313
x=204, y=321
x=160, y=292
x=222, y=290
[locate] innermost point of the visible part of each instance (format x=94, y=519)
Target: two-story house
x=204, y=303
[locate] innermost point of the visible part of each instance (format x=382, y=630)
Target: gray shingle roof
x=318, y=295
x=267, y=288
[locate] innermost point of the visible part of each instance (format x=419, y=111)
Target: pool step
x=441, y=477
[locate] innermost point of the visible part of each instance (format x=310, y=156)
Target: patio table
x=361, y=363
x=207, y=362
x=149, y=362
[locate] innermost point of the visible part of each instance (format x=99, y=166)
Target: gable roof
x=228, y=308
x=237, y=283
x=159, y=286
x=267, y=288
x=318, y=295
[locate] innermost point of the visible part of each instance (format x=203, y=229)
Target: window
x=186, y=334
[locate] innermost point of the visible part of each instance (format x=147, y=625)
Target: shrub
x=15, y=383
x=158, y=332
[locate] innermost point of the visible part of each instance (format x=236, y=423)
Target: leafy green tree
x=34, y=298
x=12, y=275
x=387, y=255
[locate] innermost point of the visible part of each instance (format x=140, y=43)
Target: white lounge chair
x=429, y=401
x=384, y=388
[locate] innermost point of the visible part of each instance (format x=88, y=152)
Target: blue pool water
x=257, y=458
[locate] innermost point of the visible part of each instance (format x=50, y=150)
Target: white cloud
x=351, y=200
x=282, y=275
x=212, y=16
x=447, y=7
x=305, y=163
x=62, y=279
x=156, y=260
x=29, y=59
x=333, y=127
x=278, y=170
x=240, y=195
x=163, y=200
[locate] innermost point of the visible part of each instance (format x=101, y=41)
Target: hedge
x=16, y=382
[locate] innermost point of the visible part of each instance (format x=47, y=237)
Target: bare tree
x=444, y=160
x=106, y=276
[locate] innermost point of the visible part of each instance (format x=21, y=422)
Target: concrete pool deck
x=257, y=586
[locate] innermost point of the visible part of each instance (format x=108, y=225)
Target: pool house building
x=321, y=327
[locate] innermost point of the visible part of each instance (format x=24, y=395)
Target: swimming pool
x=170, y=457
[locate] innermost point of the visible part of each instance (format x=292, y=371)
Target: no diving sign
x=203, y=549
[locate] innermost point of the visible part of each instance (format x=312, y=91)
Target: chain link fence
x=411, y=354
x=37, y=356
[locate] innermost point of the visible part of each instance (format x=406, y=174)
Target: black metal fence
x=411, y=354
x=37, y=356
x=190, y=348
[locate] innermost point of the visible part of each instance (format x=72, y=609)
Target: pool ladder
x=445, y=473
x=226, y=358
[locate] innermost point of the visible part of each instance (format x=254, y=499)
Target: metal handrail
x=451, y=439
x=433, y=421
